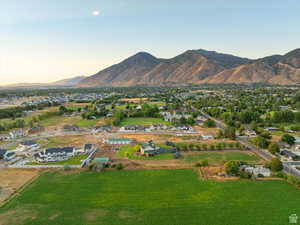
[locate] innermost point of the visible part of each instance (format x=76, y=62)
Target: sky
x=49, y=40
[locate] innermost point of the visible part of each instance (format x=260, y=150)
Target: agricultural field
x=151, y=197
x=143, y=121
x=11, y=180
x=217, y=158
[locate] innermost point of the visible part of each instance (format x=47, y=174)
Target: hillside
x=198, y=67
x=69, y=82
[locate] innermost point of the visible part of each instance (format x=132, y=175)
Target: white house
x=55, y=154
x=17, y=133
x=257, y=170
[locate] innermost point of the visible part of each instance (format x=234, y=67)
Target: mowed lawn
x=151, y=197
x=146, y=121
x=75, y=160
x=219, y=157
x=130, y=152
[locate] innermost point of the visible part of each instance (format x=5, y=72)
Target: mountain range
x=191, y=67
x=198, y=67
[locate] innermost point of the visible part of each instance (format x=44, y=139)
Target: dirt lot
x=211, y=173
x=162, y=138
x=134, y=100
x=12, y=180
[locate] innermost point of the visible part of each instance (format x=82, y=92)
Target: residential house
x=250, y=133
x=55, y=154
x=17, y=133
x=102, y=160
x=290, y=155
x=272, y=129
x=87, y=148
x=103, y=128
x=118, y=141
x=133, y=128
x=256, y=171
x=150, y=149
x=36, y=129
x=71, y=128
x=28, y=145
x=7, y=155
x=2, y=153
x=207, y=137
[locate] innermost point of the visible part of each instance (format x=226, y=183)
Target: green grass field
x=128, y=151
x=76, y=160
x=219, y=157
x=158, y=197
x=143, y=121
x=86, y=123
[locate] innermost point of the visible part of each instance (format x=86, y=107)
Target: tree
x=273, y=148
x=209, y=123
x=261, y=142
x=275, y=165
x=289, y=139
x=232, y=167
x=229, y=132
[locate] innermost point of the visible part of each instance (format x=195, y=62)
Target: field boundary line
x=21, y=189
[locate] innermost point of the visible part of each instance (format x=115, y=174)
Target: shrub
x=119, y=166
x=204, y=163
x=232, y=167
x=198, y=164
x=245, y=175
x=281, y=175
x=293, y=180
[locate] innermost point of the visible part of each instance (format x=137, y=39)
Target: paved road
x=288, y=166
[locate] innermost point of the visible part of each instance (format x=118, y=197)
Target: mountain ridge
x=198, y=67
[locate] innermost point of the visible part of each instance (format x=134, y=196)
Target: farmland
x=143, y=121
x=220, y=157
x=149, y=197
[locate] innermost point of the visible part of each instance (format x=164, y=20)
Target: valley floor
x=160, y=197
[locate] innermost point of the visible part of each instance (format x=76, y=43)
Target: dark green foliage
x=289, y=139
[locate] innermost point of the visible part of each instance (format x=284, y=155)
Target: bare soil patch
x=11, y=180
x=17, y=216
x=211, y=173
x=96, y=214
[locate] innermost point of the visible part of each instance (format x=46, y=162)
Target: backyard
x=151, y=197
x=129, y=152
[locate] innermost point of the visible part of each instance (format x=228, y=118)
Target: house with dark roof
x=2, y=153
x=55, y=154
x=7, y=155
x=71, y=128
x=28, y=144
x=290, y=155
x=150, y=149
x=87, y=149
